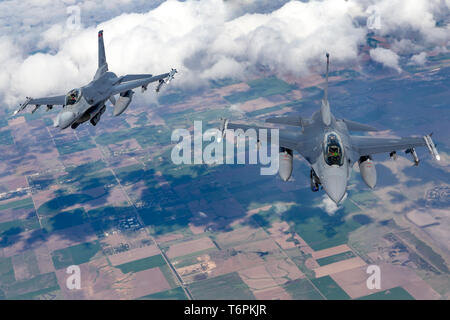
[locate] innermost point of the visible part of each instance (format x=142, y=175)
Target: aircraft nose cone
x=64, y=119
x=335, y=188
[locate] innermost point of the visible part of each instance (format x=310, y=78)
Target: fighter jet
x=327, y=145
x=88, y=102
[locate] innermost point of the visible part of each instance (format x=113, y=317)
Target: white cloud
x=419, y=59
x=386, y=57
x=417, y=18
x=406, y=46
x=237, y=108
x=197, y=37
x=329, y=206
x=203, y=39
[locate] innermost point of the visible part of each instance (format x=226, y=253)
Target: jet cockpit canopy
x=333, y=150
x=73, y=97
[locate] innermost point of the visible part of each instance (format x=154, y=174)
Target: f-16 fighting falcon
x=88, y=102
x=326, y=143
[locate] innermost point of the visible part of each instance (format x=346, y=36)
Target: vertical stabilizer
x=102, y=65
x=101, y=50
x=325, y=108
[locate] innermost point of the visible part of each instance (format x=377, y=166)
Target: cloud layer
x=203, y=39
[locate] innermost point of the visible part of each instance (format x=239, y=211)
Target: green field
x=6, y=272
x=11, y=228
x=172, y=294
x=300, y=259
x=187, y=117
x=425, y=250
x=261, y=88
x=142, y=264
x=292, y=104
x=367, y=198
x=176, y=96
x=6, y=137
x=302, y=289
x=335, y=258
x=109, y=211
x=133, y=174
x=170, y=277
x=330, y=289
x=85, y=169
x=41, y=182
x=88, y=176
x=144, y=135
x=185, y=261
x=219, y=83
x=28, y=289
x=319, y=229
x=64, y=220
x=165, y=221
x=59, y=203
x=26, y=203
x=27, y=262
x=397, y=293
x=3, y=123
x=77, y=254
x=74, y=146
x=225, y=287
x=142, y=119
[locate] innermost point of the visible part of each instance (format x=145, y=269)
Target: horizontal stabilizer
x=356, y=126
x=290, y=120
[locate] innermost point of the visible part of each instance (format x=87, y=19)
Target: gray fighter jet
x=88, y=102
x=325, y=142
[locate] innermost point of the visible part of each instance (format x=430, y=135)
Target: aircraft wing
x=371, y=145
x=49, y=101
x=287, y=139
x=129, y=82
x=131, y=77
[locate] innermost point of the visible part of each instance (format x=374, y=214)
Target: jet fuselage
x=332, y=176
x=90, y=103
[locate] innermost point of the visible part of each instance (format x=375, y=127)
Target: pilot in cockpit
x=333, y=151
x=72, y=97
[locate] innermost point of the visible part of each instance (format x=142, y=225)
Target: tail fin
x=101, y=50
x=102, y=65
x=325, y=108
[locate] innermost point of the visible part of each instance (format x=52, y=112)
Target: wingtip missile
x=169, y=78
x=171, y=75
x=23, y=105
x=432, y=147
